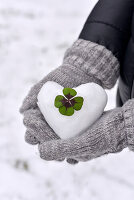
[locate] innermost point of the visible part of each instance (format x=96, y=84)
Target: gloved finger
x=72, y=161
x=30, y=138
x=37, y=127
x=71, y=148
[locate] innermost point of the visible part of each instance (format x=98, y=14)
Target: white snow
x=34, y=35
x=95, y=100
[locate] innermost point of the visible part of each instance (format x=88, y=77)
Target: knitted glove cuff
x=128, y=110
x=95, y=61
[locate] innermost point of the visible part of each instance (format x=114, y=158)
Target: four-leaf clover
x=68, y=103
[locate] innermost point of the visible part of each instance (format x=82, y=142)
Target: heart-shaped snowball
x=95, y=100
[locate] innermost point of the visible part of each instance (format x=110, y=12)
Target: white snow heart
x=95, y=100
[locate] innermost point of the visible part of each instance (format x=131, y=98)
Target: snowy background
x=33, y=37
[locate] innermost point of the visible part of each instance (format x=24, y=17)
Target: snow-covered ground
x=33, y=37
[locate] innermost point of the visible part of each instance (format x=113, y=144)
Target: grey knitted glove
x=84, y=62
x=110, y=134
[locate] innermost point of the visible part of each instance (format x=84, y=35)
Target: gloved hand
x=110, y=134
x=84, y=62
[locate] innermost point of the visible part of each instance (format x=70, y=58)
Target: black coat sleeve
x=109, y=25
x=126, y=80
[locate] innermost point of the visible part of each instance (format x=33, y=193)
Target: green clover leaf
x=68, y=103
x=78, y=103
x=58, y=102
x=66, y=111
x=69, y=92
